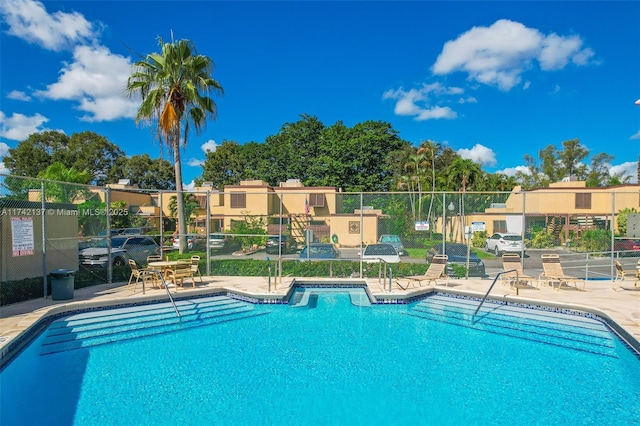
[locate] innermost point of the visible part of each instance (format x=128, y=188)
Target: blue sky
x=492, y=80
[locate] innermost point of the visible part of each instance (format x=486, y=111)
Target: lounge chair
x=435, y=271
x=179, y=272
x=553, y=272
x=195, y=269
x=511, y=261
x=623, y=274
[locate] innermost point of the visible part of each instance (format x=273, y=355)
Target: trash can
x=62, y=284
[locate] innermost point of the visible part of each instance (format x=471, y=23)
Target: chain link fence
x=96, y=230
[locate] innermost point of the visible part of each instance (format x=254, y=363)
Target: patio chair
x=435, y=271
x=515, y=278
x=553, y=272
x=153, y=258
x=195, y=268
x=624, y=274
x=138, y=274
x=179, y=272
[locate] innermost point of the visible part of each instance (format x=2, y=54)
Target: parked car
x=123, y=248
x=315, y=251
x=281, y=244
x=627, y=247
x=376, y=252
x=193, y=240
x=217, y=241
x=458, y=256
x=114, y=231
x=395, y=241
x=141, y=230
x=502, y=242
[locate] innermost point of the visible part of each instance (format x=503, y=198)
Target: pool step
x=308, y=297
x=97, y=328
x=548, y=327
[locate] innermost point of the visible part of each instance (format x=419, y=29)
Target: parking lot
x=581, y=265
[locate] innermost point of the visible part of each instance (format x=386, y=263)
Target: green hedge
x=31, y=288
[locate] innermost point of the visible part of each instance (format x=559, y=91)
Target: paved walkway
x=619, y=301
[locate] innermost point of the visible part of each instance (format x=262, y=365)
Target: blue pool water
x=327, y=358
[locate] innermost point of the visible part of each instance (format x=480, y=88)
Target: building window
x=202, y=201
x=583, y=200
x=238, y=200
x=316, y=200
x=499, y=226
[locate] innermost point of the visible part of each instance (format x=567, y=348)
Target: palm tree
x=430, y=149
x=415, y=162
x=191, y=205
x=174, y=87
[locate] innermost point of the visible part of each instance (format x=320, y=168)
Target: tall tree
x=463, y=174
x=599, y=171
x=85, y=151
x=94, y=153
x=36, y=153
x=571, y=158
x=174, y=86
x=144, y=172
x=225, y=165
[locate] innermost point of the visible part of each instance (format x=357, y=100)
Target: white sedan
x=377, y=252
x=502, y=242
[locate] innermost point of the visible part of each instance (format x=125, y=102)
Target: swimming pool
x=328, y=357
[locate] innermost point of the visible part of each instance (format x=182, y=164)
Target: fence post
x=107, y=198
x=44, y=239
x=208, y=232
x=361, y=230
x=613, y=232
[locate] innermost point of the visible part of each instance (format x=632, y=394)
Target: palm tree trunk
x=182, y=220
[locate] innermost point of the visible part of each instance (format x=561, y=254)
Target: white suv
x=123, y=248
x=501, y=242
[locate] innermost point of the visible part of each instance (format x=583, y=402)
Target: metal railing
x=490, y=288
x=166, y=287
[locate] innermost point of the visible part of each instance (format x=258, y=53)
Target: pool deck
x=617, y=300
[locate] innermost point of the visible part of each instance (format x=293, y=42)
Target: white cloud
x=30, y=21
x=498, y=55
x=209, y=145
x=4, y=149
x=417, y=102
x=635, y=136
x=479, y=154
x=511, y=171
x=17, y=95
x=468, y=100
x=19, y=126
x=626, y=169
x=95, y=79
x=194, y=162
x=190, y=186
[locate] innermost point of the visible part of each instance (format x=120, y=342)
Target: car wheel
x=118, y=261
x=496, y=251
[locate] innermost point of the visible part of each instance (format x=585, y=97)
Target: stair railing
x=383, y=266
x=166, y=287
x=490, y=288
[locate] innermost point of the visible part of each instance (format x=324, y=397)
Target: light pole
x=451, y=208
